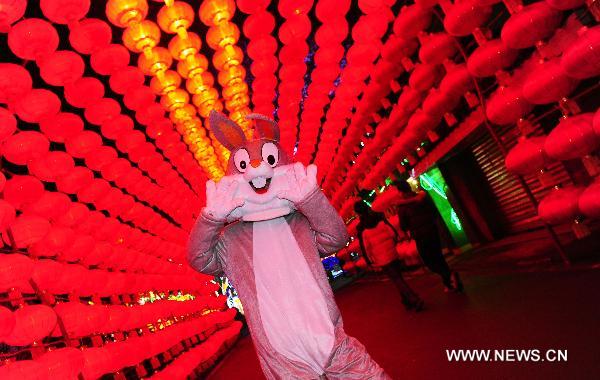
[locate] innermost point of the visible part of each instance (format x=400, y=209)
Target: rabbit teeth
x=260, y=184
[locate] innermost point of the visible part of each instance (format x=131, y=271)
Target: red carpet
x=543, y=310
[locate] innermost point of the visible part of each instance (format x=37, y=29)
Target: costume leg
x=350, y=360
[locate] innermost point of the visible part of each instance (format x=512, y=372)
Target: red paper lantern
x=33, y=322
x=490, y=57
x=7, y=321
x=76, y=214
x=457, y=80
x=48, y=276
x=138, y=98
x=125, y=79
x=527, y=156
x=79, y=248
x=589, y=201
x=109, y=59
x=25, y=146
x=14, y=270
x=63, y=363
x=22, y=190
x=61, y=67
x=51, y=166
x=564, y=5
x=437, y=103
x=548, y=83
x=289, y=8
x=411, y=20
x=100, y=157
x=596, y=123
x=11, y=11
x=425, y=76
x=101, y=251
x=464, y=16
x=61, y=126
x=96, y=362
x=581, y=59
x=572, y=138
x=262, y=47
x=22, y=369
x=102, y=111
x=507, y=105
x=32, y=38
x=409, y=98
x=560, y=206
x=36, y=105
x=49, y=205
x=83, y=143
x=54, y=243
x=252, y=6
x=14, y=82
x=436, y=48
x=75, y=180
x=258, y=24
x=531, y=24
x=64, y=11
x=8, y=124
x=89, y=35
x=84, y=92
x=7, y=214
x=71, y=314
x=116, y=126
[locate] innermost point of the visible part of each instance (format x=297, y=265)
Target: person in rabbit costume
x=264, y=225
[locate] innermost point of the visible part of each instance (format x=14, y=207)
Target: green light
x=388, y=181
x=454, y=219
x=433, y=182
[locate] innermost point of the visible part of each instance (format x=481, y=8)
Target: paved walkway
x=537, y=306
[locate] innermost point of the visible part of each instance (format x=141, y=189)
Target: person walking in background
x=377, y=239
x=419, y=219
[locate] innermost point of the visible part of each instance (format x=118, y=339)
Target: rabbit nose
x=255, y=163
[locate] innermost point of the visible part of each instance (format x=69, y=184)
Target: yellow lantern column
x=222, y=37
x=142, y=36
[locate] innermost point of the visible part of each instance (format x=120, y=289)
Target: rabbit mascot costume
x=264, y=225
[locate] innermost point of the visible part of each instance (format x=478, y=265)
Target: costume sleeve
x=330, y=230
x=205, y=250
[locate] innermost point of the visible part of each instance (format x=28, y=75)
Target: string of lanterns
x=143, y=36
x=261, y=48
x=329, y=38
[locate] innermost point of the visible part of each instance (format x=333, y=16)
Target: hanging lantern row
x=328, y=37
x=206, y=354
x=222, y=37
x=57, y=278
x=575, y=137
x=34, y=39
x=32, y=148
x=32, y=323
x=142, y=36
x=293, y=34
x=39, y=106
x=409, y=24
x=94, y=362
x=545, y=82
x=262, y=47
x=366, y=34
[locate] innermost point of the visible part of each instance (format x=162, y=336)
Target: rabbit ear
x=229, y=134
x=265, y=127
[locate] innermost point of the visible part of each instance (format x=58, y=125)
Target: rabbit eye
x=241, y=160
x=270, y=154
